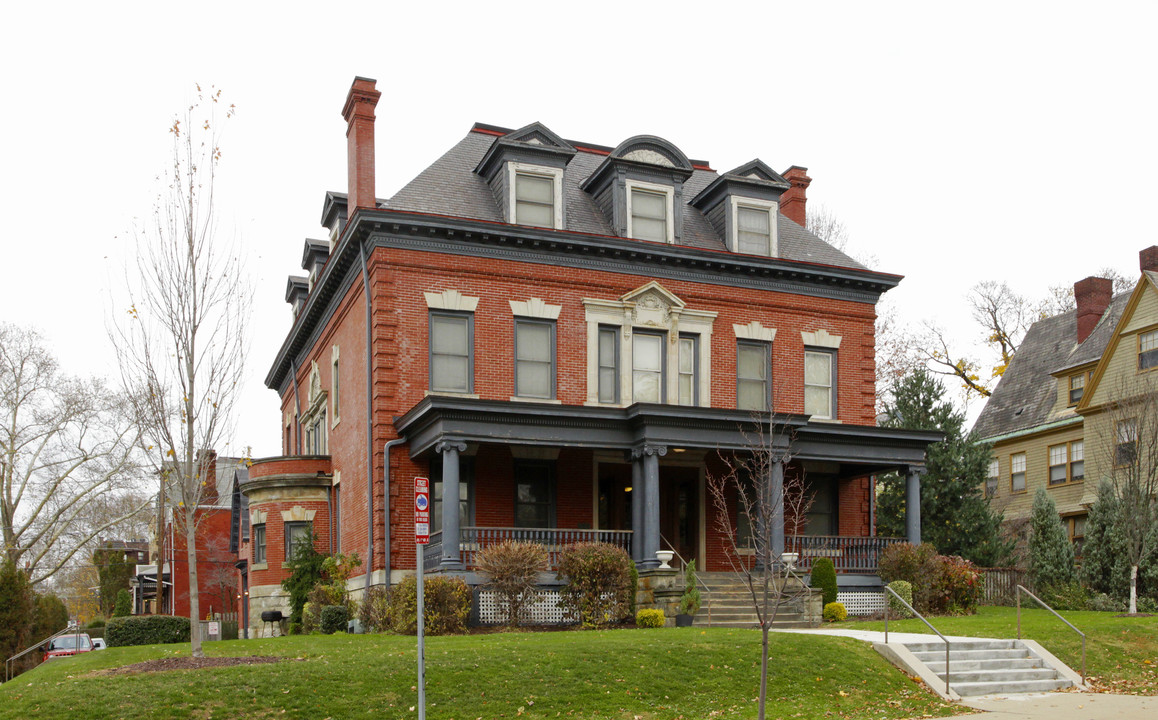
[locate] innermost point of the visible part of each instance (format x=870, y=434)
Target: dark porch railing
x=849, y=554
x=473, y=540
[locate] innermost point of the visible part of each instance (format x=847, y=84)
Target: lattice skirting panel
x=862, y=602
x=544, y=612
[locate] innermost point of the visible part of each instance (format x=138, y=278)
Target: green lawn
x=644, y=674
x=1121, y=652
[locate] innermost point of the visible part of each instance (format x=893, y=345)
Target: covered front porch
x=635, y=477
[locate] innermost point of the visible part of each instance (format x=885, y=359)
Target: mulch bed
x=187, y=663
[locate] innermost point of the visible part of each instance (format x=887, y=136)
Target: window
x=336, y=523
x=1017, y=472
x=451, y=352
x=534, y=495
x=534, y=199
x=259, y=544
x=1077, y=461
x=754, y=230
x=1148, y=350
x=688, y=370
x=1076, y=529
x=315, y=431
x=991, y=478
x=819, y=381
x=297, y=537
x=752, y=376
x=1126, y=449
x=334, y=375
x=648, y=214
x=1077, y=386
x=1058, y=464
x=822, y=514
x=647, y=363
x=608, y=365
x=534, y=358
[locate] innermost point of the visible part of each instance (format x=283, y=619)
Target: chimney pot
x=359, y=114
x=1148, y=259
x=794, y=200
x=1092, y=296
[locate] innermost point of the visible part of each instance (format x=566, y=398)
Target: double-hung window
x=820, y=383
x=297, y=537
x=647, y=363
x=1058, y=464
x=1148, y=350
x=1126, y=448
x=1077, y=461
x=259, y=543
x=991, y=478
x=534, y=199
x=752, y=367
x=451, y=352
x=534, y=495
x=1077, y=387
x=534, y=358
x=1017, y=472
x=608, y=365
x=688, y=369
x=754, y=230
x=649, y=216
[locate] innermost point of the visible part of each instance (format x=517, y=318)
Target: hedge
x=146, y=630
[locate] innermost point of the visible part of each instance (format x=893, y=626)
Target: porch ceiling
x=439, y=418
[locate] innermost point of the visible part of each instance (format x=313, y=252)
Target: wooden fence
x=999, y=585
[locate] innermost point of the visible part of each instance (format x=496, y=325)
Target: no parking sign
x=421, y=511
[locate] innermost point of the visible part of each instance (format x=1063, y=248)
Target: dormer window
x=755, y=227
x=743, y=205
x=649, y=212
x=538, y=195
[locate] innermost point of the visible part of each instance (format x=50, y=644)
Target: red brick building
x=565, y=336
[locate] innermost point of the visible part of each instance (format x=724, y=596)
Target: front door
x=679, y=510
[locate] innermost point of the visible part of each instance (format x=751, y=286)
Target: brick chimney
x=1092, y=296
x=359, y=114
x=1148, y=259
x=207, y=459
x=793, y=200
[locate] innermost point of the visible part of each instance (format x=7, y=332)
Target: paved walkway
x=1035, y=706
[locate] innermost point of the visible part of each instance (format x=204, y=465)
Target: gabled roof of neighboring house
x=1026, y=395
x=451, y=187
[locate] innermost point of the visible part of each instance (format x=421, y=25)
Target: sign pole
x=421, y=539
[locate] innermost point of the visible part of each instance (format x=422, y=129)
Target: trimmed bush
x=649, y=618
x=690, y=600
x=835, y=612
x=146, y=630
x=334, y=619
x=97, y=622
x=375, y=609
x=905, y=589
x=446, y=606
x=513, y=570
x=598, y=585
x=124, y=604
x=824, y=579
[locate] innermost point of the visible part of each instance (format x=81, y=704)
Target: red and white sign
x=421, y=511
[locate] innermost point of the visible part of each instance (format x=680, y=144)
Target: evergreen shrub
x=649, y=618
x=835, y=612
x=905, y=589
x=146, y=630
x=334, y=619
x=824, y=579
x=124, y=604
x=1051, y=555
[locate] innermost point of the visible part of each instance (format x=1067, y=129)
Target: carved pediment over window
x=653, y=305
x=315, y=391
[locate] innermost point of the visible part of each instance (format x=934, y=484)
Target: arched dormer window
x=314, y=424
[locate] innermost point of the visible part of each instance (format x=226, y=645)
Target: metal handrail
x=922, y=619
x=1021, y=589
x=68, y=630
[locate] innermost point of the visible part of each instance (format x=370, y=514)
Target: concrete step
x=998, y=664
x=928, y=656
x=955, y=645
x=1000, y=674
x=973, y=689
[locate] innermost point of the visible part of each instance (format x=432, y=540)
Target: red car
x=66, y=645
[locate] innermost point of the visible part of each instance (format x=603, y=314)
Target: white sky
x=958, y=142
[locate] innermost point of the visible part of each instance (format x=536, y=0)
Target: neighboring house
x=563, y=336
x=1052, y=418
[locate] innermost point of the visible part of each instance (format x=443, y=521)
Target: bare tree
x=67, y=446
x=182, y=343
x=1129, y=448
x=764, y=494
x=1060, y=298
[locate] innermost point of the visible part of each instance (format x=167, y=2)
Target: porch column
x=650, y=455
x=637, y=496
x=776, y=492
x=913, y=504
x=450, y=519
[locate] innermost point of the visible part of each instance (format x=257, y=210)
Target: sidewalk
x=1064, y=706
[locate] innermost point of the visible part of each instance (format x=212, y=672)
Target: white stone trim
x=535, y=308
x=256, y=517
x=298, y=514
x=666, y=190
x=556, y=174
x=450, y=300
x=773, y=209
x=754, y=331
x=821, y=338
x=335, y=406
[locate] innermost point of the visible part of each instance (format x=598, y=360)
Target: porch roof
x=869, y=449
